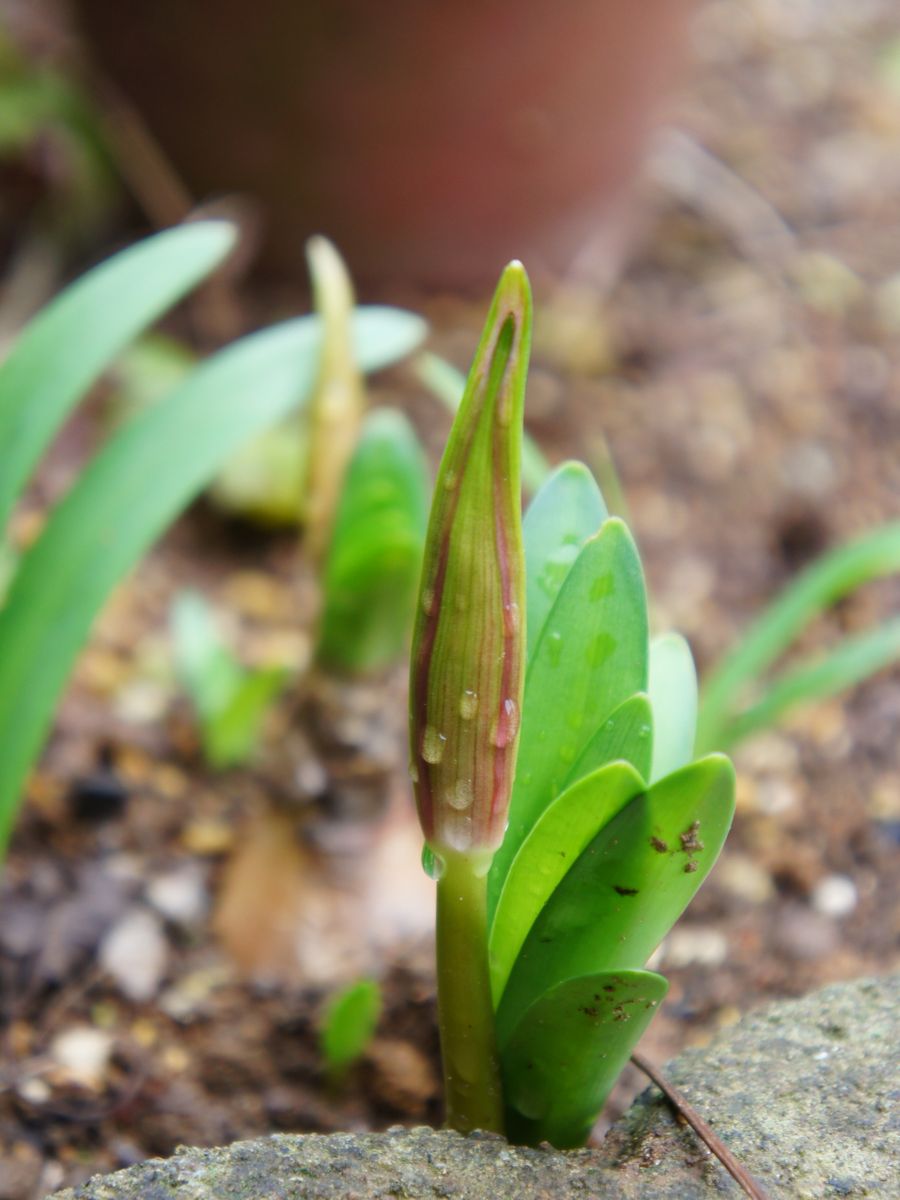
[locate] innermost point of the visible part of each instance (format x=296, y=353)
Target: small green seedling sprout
x=230, y=701
x=348, y=1024
x=551, y=751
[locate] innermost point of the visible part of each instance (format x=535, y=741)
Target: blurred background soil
x=741, y=371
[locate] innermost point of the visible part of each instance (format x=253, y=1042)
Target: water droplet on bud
x=460, y=796
x=507, y=724
x=433, y=743
x=468, y=704
x=511, y=621
x=450, y=481
x=428, y=601
x=432, y=864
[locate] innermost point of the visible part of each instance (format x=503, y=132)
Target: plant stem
x=472, y=1086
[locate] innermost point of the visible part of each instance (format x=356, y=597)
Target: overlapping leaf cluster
x=612, y=827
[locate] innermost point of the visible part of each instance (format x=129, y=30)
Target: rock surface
x=804, y=1092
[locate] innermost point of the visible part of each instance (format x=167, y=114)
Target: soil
x=163, y=970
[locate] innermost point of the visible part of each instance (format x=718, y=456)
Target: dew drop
x=460, y=796
x=610, y=726
x=554, y=647
x=511, y=619
x=428, y=601
x=602, y=587
x=432, y=864
x=457, y=832
x=468, y=704
x=507, y=724
x=601, y=647
x=450, y=481
x=433, y=743
x=643, y=733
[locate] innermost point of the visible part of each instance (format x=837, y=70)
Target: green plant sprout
x=348, y=1025
x=736, y=699
x=230, y=701
x=149, y=469
x=366, y=496
x=551, y=747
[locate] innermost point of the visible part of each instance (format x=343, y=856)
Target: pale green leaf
x=673, y=696
x=566, y=511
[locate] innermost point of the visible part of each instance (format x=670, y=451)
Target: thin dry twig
x=735, y=1169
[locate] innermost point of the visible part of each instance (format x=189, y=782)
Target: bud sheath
x=468, y=645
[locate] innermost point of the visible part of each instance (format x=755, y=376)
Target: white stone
x=135, y=952
x=835, y=896
x=181, y=895
x=83, y=1054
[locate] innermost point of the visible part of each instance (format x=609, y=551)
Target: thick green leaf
x=135, y=486
x=564, y=829
x=563, y=515
x=673, y=696
x=629, y=886
x=448, y=384
x=591, y=656
x=850, y=662
x=565, y=1054
x=832, y=576
x=66, y=348
x=373, y=564
x=625, y=736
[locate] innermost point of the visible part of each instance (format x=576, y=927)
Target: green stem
x=472, y=1088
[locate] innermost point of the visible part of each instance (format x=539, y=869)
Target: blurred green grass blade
x=373, y=564
x=564, y=829
x=231, y=734
x=144, y=476
x=844, y=569
x=591, y=656
x=626, y=735
x=66, y=348
x=628, y=888
x=673, y=697
x=567, y=510
x=204, y=665
x=853, y=660
x=448, y=384
x=564, y=1056
x=350, y=1021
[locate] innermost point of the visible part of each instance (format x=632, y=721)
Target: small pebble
x=835, y=896
x=181, y=896
x=83, y=1054
x=744, y=878
x=135, y=952
x=700, y=945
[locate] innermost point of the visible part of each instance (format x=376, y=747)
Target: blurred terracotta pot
x=431, y=141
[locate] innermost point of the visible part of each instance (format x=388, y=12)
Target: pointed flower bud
x=469, y=642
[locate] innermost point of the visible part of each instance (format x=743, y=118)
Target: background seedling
x=348, y=1024
x=229, y=700
x=148, y=470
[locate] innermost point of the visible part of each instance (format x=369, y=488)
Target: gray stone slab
x=806, y=1093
